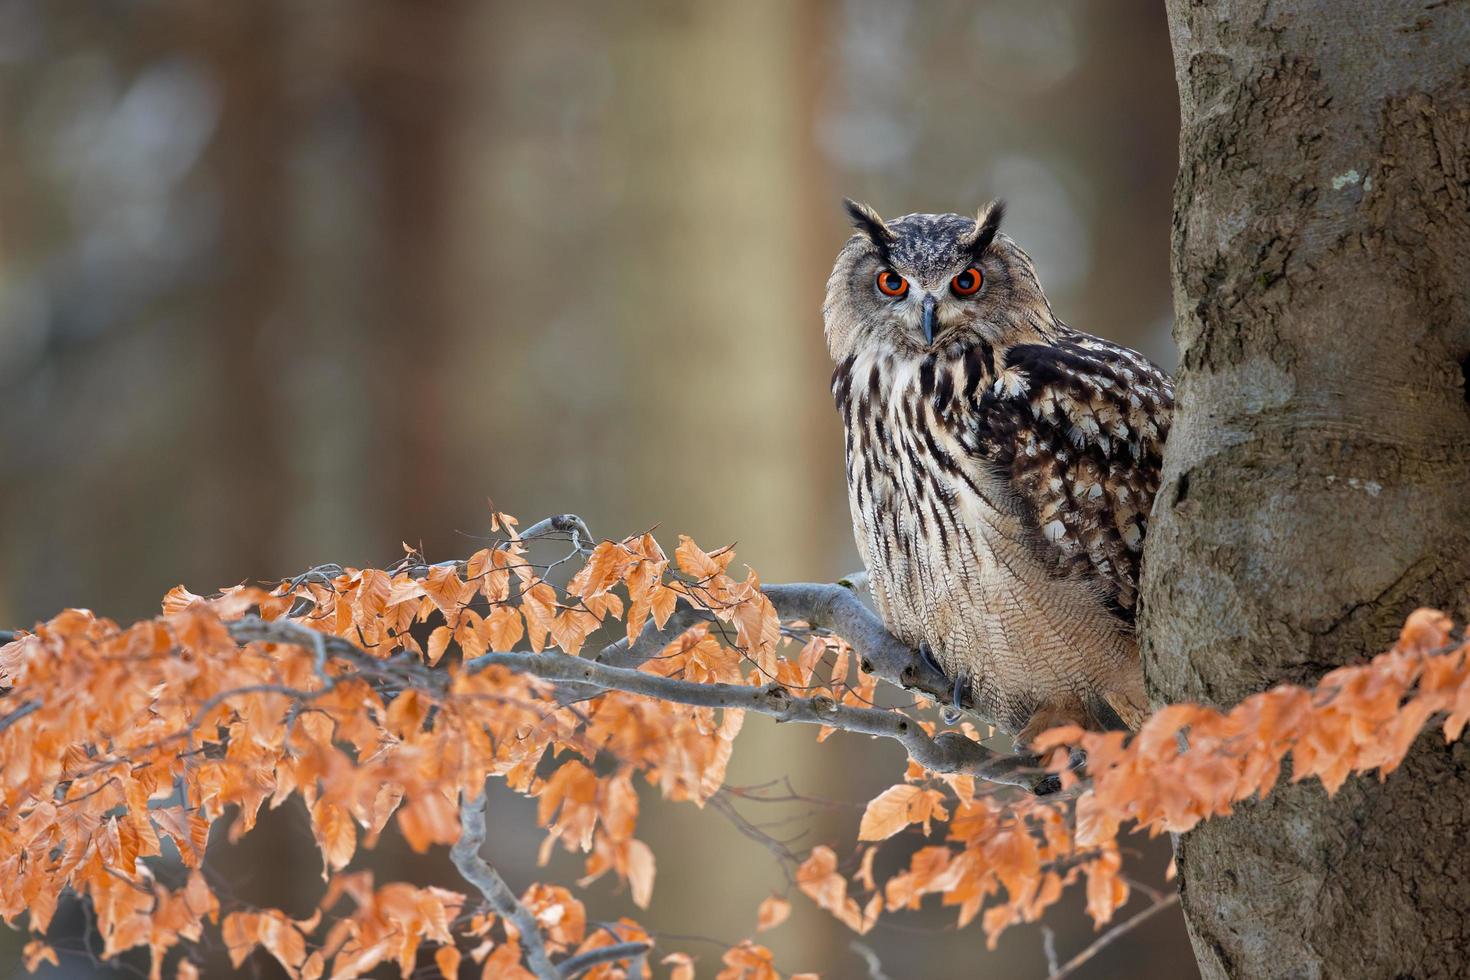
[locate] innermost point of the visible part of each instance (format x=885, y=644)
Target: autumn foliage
x=125, y=751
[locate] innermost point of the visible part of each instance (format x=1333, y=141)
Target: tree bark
x=1317, y=478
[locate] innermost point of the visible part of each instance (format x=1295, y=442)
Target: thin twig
x=785, y=856
x=875, y=965
x=577, y=965
x=1101, y=942
x=1154, y=895
x=1049, y=949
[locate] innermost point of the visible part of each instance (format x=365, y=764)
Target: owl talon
x=926, y=652
x=950, y=713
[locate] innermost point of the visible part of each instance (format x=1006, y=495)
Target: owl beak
x=929, y=303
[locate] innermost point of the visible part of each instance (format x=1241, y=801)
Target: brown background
x=292, y=281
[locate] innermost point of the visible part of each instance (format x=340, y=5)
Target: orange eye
x=892, y=284
x=967, y=283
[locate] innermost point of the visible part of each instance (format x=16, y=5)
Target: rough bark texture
x=1317, y=479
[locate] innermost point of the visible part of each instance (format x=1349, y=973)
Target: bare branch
x=1049, y=949
x=949, y=752
x=577, y=965
x=946, y=752
x=652, y=639
x=840, y=610
x=478, y=872
x=823, y=606
x=569, y=524
x=18, y=714
x=1121, y=929
x=875, y=965
x=788, y=859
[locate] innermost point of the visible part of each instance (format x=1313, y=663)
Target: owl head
x=926, y=283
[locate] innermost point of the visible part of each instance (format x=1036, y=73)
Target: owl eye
x=892, y=284
x=967, y=283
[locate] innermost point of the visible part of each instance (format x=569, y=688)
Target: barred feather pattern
x=1000, y=497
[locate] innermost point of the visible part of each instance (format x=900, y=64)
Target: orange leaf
x=335, y=833
x=538, y=605
x=35, y=953
x=818, y=879
x=772, y=912
x=428, y=818
x=605, y=568
x=696, y=563
x=748, y=962
x=888, y=812
x=438, y=643
x=640, y=872
x=505, y=628
x=447, y=959
x=683, y=966
x=178, y=599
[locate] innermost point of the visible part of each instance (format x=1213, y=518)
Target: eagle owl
x=1000, y=468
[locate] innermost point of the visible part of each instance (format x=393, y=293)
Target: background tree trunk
x=1317, y=480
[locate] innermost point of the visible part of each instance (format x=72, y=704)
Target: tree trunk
x=1317, y=479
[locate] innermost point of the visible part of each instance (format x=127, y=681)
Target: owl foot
x=927, y=652
x=950, y=713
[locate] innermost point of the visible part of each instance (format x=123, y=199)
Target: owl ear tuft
x=987, y=223
x=866, y=220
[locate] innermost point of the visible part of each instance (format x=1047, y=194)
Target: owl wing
x=1075, y=430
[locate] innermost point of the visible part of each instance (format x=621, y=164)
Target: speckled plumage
x=1000, y=477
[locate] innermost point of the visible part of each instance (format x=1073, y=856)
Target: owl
x=1000, y=469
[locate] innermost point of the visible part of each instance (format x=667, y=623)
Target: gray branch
x=575, y=966
x=875, y=965
x=947, y=752
x=652, y=639
x=840, y=610
x=822, y=606
x=19, y=713
x=478, y=872
x=837, y=608
x=569, y=524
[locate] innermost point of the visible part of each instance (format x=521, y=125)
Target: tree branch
x=569, y=524
x=870, y=958
x=822, y=606
x=948, y=752
x=839, y=609
x=18, y=714
x=1122, y=928
x=478, y=872
x=575, y=966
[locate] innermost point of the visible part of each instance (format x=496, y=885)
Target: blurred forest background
x=291, y=281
